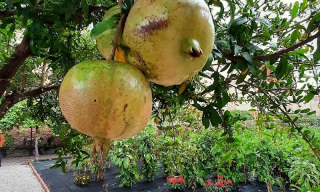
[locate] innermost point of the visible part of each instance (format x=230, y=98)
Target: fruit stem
x=192, y=48
x=117, y=35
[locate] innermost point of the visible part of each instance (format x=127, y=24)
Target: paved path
x=17, y=176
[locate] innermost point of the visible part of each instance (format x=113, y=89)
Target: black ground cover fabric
x=64, y=182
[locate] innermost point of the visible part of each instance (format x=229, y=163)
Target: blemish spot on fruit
x=153, y=26
x=125, y=107
x=95, y=100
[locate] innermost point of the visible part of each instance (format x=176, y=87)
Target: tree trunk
x=36, y=152
x=31, y=142
x=21, y=53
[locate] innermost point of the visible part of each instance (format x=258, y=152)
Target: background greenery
x=266, y=53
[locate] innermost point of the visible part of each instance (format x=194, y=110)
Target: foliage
x=128, y=153
x=9, y=142
x=12, y=117
x=124, y=156
x=304, y=173
x=268, y=154
x=309, y=120
x=263, y=55
x=244, y=115
x=147, y=151
x=73, y=145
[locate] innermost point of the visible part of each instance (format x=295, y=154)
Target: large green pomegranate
x=106, y=100
x=169, y=40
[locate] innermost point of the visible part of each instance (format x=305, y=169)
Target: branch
x=4, y=14
x=232, y=57
x=282, y=52
x=118, y=31
x=21, y=53
x=17, y=96
x=274, y=55
x=117, y=35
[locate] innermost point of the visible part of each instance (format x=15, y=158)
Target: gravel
x=16, y=175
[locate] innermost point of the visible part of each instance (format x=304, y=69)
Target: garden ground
x=58, y=181
x=16, y=174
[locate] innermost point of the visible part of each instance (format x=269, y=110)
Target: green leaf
x=85, y=7
x=250, y=2
x=208, y=64
x=312, y=113
x=312, y=24
x=232, y=7
x=63, y=166
x=237, y=49
x=242, y=77
x=317, y=189
x=212, y=87
x=247, y=57
x=126, y=163
x=282, y=67
x=221, y=12
x=308, y=97
x=215, y=118
x=239, y=21
x=104, y=25
x=253, y=69
x=303, y=5
x=264, y=21
x=205, y=119
x=55, y=166
x=305, y=111
x=294, y=36
x=316, y=54
x=294, y=11
x=225, y=67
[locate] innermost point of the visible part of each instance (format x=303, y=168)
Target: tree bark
x=9, y=13
x=30, y=142
x=36, y=151
x=17, y=96
x=21, y=53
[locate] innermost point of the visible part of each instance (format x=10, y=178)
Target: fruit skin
x=166, y=38
x=106, y=99
x=104, y=40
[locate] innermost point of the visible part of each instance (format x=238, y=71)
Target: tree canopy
x=266, y=53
